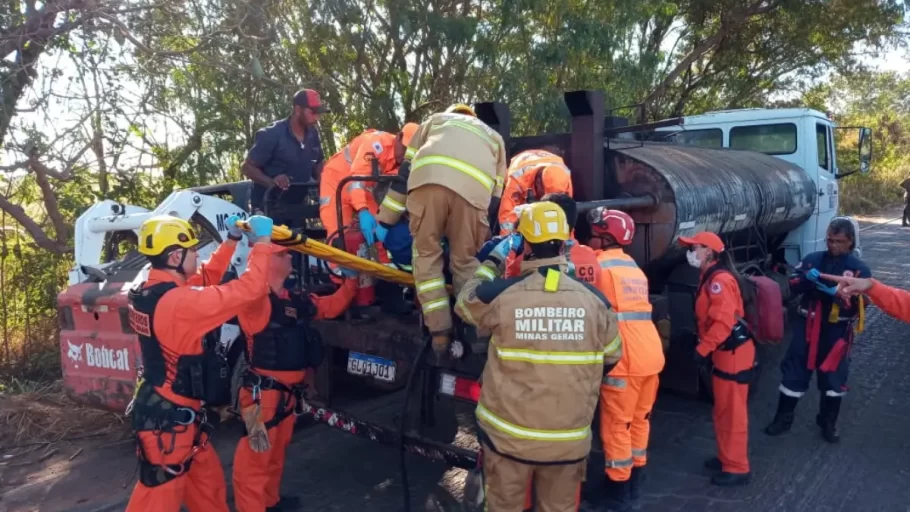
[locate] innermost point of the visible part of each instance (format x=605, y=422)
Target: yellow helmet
x=461, y=108
x=543, y=222
x=162, y=231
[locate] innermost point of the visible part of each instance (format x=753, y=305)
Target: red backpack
x=766, y=320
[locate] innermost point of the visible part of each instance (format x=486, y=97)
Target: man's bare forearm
x=254, y=173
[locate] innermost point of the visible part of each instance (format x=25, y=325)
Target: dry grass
x=874, y=192
x=36, y=414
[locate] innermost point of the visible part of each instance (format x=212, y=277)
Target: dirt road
x=334, y=471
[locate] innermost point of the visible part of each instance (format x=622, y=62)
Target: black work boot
x=724, y=479
x=783, y=419
x=713, y=464
x=617, y=496
x=635, y=481
x=828, y=410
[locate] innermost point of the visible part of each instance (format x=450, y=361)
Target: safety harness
x=151, y=412
x=739, y=336
x=257, y=383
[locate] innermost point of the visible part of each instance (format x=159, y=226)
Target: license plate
x=372, y=366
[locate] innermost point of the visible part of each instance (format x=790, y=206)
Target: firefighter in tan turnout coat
x=554, y=338
x=454, y=165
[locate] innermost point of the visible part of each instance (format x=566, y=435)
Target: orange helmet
x=615, y=223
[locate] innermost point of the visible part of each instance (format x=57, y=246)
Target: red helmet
x=612, y=222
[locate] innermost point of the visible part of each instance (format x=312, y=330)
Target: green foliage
x=216, y=71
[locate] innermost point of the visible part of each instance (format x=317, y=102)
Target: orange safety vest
x=626, y=287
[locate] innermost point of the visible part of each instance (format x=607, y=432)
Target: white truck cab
x=802, y=136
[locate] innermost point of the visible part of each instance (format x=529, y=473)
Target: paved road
x=868, y=470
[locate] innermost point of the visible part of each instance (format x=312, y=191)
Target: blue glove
x=381, y=232
x=504, y=247
x=813, y=275
x=488, y=246
x=260, y=225
x=829, y=290
x=233, y=230
x=367, y=225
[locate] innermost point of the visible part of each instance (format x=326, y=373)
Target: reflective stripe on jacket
x=455, y=151
x=626, y=287
x=551, y=337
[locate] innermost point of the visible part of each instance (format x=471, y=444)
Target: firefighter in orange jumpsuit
x=717, y=306
x=531, y=175
x=372, y=147
x=628, y=392
x=893, y=301
x=173, y=312
x=281, y=347
x=455, y=166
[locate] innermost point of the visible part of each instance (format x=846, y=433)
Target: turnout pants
x=201, y=488
x=506, y=484
x=436, y=212
x=625, y=413
x=257, y=476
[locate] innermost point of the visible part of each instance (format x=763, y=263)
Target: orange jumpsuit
x=183, y=316
x=893, y=301
x=257, y=476
x=717, y=306
x=355, y=159
x=337, y=168
x=536, y=171
x=630, y=389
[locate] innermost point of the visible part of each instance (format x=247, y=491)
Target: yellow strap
x=334, y=255
x=834, y=315
x=520, y=432
x=552, y=282
x=861, y=325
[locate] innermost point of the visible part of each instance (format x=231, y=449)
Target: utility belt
x=258, y=383
x=743, y=377
x=803, y=312
x=151, y=412
x=738, y=337
x=487, y=443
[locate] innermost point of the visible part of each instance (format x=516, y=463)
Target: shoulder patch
x=377, y=147
x=848, y=273
x=715, y=288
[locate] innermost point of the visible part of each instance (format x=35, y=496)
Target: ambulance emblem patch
x=715, y=288
x=848, y=273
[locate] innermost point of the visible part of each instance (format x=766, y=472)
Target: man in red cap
x=281, y=350
x=287, y=151
x=718, y=306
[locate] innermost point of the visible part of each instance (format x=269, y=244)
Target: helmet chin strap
x=179, y=267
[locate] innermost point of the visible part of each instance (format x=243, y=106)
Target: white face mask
x=692, y=258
